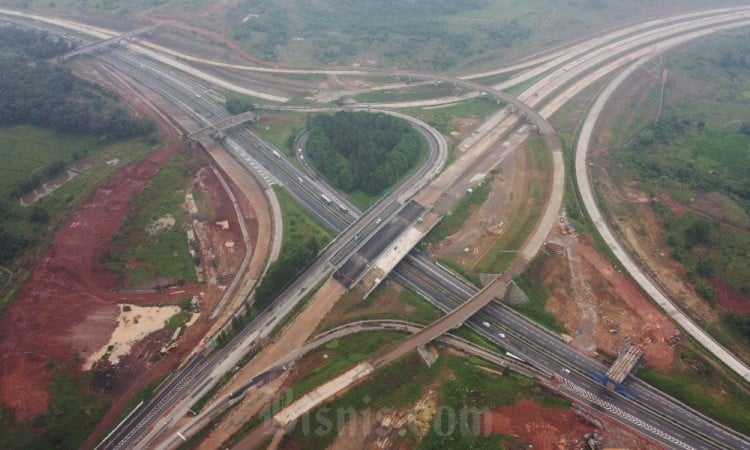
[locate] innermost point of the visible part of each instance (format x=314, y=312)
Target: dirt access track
x=67, y=308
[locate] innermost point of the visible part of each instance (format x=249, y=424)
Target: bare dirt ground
x=68, y=287
x=551, y=428
x=67, y=307
x=600, y=306
x=489, y=221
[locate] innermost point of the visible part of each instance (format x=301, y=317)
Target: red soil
x=543, y=427
x=70, y=288
x=557, y=428
x=730, y=299
x=676, y=207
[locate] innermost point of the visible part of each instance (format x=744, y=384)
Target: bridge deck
x=624, y=364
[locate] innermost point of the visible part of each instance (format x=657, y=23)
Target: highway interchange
x=522, y=337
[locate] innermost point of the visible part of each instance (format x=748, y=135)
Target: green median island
x=363, y=154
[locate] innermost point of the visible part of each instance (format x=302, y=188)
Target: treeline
x=294, y=258
x=362, y=151
x=52, y=97
x=30, y=44
x=30, y=183
x=236, y=104
x=36, y=93
x=33, y=92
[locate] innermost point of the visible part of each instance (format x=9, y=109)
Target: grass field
x=73, y=412
x=530, y=284
x=27, y=149
x=444, y=119
x=418, y=92
x=720, y=398
x=523, y=222
x=279, y=130
x=459, y=384
x=299, y=225
x=166, y=253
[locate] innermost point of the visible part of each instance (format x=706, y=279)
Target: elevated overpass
x=101, y=45
x=224, y=124
x=623, y=365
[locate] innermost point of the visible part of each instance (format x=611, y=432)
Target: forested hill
x=363, y=151
x=37, y=93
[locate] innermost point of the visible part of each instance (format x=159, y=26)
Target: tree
x=699, y=232
x=39, y=215
x=362, y=151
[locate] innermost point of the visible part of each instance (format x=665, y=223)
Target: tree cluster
x=362, y=151
x=31, y=44
x=52, y=97
x=34, y=92
x=237, y=105
x=37, y=93
x=294, y=258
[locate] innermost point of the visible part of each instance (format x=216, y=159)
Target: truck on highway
x=343, y=208
x=276, y=154
x=326, y=199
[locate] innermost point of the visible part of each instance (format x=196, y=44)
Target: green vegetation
x=699, y=143
x=461, y=212
x=159, y=251
x=444, y=119
x=281, y=130
x=419, y=91
x=720, y=399
x=293, y=259
x=343, y=354
x=303, y=238
x=27, y=149
x=85, y=116
x=299, y=225
x=363, y=151
x=72, y=414
x=37, y=93
x=181, y=318
x=680, y=156
x=521, y=224
x=337, y=31
x=538, y=295
x=237, y=104
x=708, y=250
x=463, y=387
x=696, y=153
x=739, y=326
